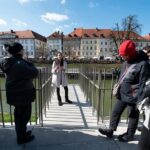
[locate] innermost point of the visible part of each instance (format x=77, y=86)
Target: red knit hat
x=127, y=48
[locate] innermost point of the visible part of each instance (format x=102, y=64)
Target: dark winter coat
x=19, y=75
x=131, y=89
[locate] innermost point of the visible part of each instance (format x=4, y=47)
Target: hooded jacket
x=19, y=74
x=131, y=89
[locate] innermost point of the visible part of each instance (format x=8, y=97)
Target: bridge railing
x=97, y=85
x=44, y=92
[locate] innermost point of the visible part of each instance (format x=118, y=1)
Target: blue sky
x=47, y=16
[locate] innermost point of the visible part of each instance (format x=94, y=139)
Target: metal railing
x=44, y=92
x=97, y=85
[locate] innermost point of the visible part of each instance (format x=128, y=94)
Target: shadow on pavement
x=58, y=139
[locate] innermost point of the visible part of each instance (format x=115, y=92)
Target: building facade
x=100, y=43
x=34, y=44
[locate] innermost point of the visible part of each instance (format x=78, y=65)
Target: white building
x=54, y=43
x=98, y=43
x=34, y=44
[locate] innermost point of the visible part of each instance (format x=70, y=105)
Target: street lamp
x=62, y=35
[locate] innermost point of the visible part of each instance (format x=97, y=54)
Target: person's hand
x=56, y=69
x=62, y=69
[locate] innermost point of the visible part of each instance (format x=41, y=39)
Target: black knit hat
x=13, y=48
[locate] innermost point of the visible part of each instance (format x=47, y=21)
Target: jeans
x=133, y=115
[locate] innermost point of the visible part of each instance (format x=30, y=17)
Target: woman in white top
x=59, y=77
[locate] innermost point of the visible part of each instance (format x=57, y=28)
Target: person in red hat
x=134, y=73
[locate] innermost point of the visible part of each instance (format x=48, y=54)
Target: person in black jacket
x=20, y=91
x=130, y=90
x=144, y=142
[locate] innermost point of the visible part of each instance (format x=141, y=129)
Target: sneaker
x=69, y=101
x=28, y=138
x=125, y=137
x=107, y=132
x=60, y=103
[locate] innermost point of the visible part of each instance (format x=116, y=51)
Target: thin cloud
x=63, y=2
x=39, y=0
x=59, y=28
x=66, y=26
x=27, y=1
x=53, y=17
x=19, y=23
x=23, y=1
x=74, y=23
x=3, y=22
x=92, y=4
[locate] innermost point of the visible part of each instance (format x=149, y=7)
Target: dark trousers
x=58, y=93
x=144, y=143
x=133, y=115
x=22, y=116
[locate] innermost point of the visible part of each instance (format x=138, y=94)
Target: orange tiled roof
x=147, y=36
x=55, y=35
x=103, y=33
x=27, y=34
x=91, y=33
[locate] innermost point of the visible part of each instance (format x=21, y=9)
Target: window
x=31, y=47
x=26, y=48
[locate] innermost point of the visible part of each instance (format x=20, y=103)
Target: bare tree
x=126, y=30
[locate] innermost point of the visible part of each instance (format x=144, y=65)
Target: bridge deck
x=68, y=127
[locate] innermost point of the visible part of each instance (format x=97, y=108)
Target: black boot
x=26, y=139
x=59, y=97
x=66, y=95
x=60, y=103
x=107, y=132
x=69, y=101
x=125, y=137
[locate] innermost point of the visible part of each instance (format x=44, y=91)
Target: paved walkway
x=68, y=127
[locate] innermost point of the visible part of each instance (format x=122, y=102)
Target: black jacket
x=131, y=89
x=19, y=75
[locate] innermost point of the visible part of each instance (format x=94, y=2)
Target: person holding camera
x=20, y=91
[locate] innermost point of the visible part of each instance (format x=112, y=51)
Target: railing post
x=1, y=103
x=99, y=96
x=40, y=98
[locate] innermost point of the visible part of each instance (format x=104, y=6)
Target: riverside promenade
x=68, y=127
